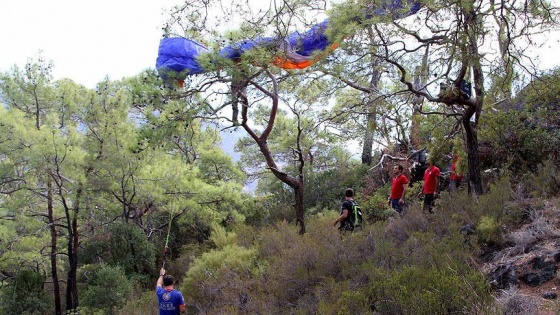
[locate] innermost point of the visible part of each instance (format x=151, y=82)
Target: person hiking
x=399, y=185
x=345, y=211
x=170, y=301
x=431, y=186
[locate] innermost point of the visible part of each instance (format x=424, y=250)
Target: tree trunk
x=371, y=116
x=474, y=109
x=299, y=194
x=419, y=83
x=415, y=127
x=72, y=302
x=368, y=138
x=296, y=183
x=54, y=271
x=473, y=158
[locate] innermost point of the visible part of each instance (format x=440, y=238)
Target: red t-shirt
x=454, y=175
x=430, y=176
x=397, y=188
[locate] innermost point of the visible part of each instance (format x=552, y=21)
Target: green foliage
x=221, y=237
x=25, y=295
x=124, y=246
x=488, y=230
x=145, y=304
x=427, y=290
x=545, y=182
x=126, y=156
x=494, y=202
x=107, y=289
x=376, y=208
x=219, y=277
x=523, y=133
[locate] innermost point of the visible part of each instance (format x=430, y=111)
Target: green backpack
x=356, y=216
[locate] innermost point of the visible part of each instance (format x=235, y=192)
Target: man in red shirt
x=431, y=185
x=398, y=189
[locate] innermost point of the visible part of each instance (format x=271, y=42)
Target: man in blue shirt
x=170, y=301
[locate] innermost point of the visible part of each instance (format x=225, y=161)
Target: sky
x=86, y=40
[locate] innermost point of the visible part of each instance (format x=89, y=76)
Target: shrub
x=126, y=246
x=427, y=290
x=219, y=278
x=145, y=304
x=25, y=295
x=97, y=296
x=488, y=230
x=545, y=182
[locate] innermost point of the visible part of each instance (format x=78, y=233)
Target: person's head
x=430, y=163
x=397, y=169
x=168, y=280
x=349, y=192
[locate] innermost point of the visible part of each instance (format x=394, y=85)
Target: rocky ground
x=523, y=270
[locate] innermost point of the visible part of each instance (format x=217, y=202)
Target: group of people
x=430, y=189
x=399, y=185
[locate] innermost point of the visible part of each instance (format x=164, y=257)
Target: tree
x=30, y=92
x=250, y=80
x=454, y=33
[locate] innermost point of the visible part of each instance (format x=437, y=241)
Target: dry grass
x=515, y=302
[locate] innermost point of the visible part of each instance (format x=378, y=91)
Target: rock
x=502, y=277
x=550, y=296
x=543, y=271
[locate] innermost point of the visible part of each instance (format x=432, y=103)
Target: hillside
x=524, y=271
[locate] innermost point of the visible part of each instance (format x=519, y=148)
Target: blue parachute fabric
x=395, y=9
x=180, y=54
x=236, y=50
x=311, y=41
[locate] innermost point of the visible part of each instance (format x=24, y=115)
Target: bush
x=545, y=182
x=145, y=304
x=488, y=231
x=427, y=290
x=126, y=246
x=25, y=295
x=219, y=278
x=107, y=290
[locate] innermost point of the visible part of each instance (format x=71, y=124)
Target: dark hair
x=167, y=280
x=401, y=168
x=349, y=192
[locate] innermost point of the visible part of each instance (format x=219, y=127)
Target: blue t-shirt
x=169, y=301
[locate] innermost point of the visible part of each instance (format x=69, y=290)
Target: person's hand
x=401, y=201
x=162, y=272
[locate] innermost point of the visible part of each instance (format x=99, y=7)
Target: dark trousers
x=429, y=202
x=396, y=205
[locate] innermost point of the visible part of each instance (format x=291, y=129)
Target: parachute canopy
x=179, y=57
